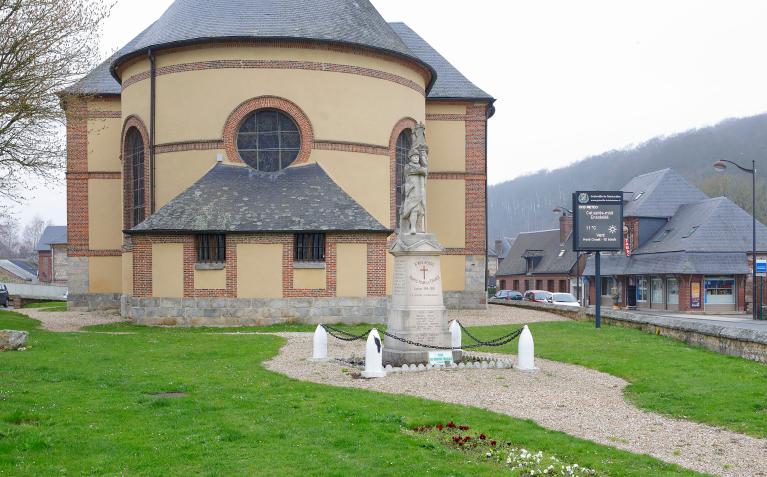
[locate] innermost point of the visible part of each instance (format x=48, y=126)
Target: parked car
x=538, y=296
x=4, y=298
x=565, y=299
x=508, y=295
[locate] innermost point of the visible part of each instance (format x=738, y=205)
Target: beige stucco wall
x=176, y=171
x=453, y=268
x=105, y=274
x=365, y=177
x=309, y=278
x=210, y=279
x=351, y=270
x=259, y=270
x=446, y=204
x=168, y=270
x=105, y=214
x=194, y=105
x=444, y=108
x=104, y=104
x=127, y=273
x=447, y=146
x=104, y=144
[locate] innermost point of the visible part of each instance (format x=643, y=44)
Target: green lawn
x=666, y=375
x=82, y=404
x=48, y=305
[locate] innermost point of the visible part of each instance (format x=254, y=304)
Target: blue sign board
x=761, y=267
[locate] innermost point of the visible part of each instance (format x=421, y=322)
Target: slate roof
x=658, y=194
x=239, y=199
x=451, y=83
x=717, y=263
x=25, y=265
x=544, y=245
x=14, y=269
x=52, y=235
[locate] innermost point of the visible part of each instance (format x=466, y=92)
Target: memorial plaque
x=597, y=221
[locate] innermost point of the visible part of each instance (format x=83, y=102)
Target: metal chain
x=491, y=342
x=344, y=335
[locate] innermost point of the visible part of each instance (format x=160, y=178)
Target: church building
x=240, y=163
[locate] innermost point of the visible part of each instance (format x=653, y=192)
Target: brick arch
x=134, y=121
x=239, y=114
x=402, y=124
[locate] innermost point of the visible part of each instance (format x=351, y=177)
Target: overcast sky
x=571, y=78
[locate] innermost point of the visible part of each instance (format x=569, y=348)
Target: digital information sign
x=598, y=221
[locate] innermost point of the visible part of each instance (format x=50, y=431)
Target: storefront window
x=657, y=291
x=672, y=285
x=719, y=291
x=641, y=289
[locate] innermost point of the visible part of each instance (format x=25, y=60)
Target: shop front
x=719, y=294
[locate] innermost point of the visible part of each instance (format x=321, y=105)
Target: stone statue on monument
x=413, y=212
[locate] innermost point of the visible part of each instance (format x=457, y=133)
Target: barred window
x=268, y=140
x=134, y=157
x=309, y=247
x=211, y=248
x=404, y=143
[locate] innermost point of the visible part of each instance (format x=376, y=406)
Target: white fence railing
x=37, y=292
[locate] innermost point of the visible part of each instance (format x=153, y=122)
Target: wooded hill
x=525, y=203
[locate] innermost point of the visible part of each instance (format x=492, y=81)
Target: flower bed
x=519, y=461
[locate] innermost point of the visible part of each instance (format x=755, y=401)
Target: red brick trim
x=94, y=253
x=135, y=121
x=457, y=176
x=376, y=269
x=93, y=175
x=202, y=145
x=402, y=124
x=77, y=162
x=239, y=114
x=277, y=65
x=104, y=114
x=352, y=147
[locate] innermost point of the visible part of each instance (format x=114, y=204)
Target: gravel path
x=572, y=399
x=502, y=315
x=68, y=321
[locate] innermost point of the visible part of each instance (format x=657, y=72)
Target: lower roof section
x=238, y=199
x=672, y=263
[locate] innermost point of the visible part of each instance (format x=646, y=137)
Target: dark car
x=508, y=295
x=538, y=296
x=3, y=295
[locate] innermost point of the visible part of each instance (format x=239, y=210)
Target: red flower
x=467, y=439
x=439, y=427
x=451, y=424
x=463, y=428
x=456, y=438
x=482, y=436
x=493, y=443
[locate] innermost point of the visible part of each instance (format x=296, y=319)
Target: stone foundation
x=93, y=301
x=255, y=312
x=465, y=300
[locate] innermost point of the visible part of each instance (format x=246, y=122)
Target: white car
x=564, y=299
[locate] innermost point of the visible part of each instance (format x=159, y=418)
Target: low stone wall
x=744, y=343
x=93, y=301
x=255, y=312
x=465, y=300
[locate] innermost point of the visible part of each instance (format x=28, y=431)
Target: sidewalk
x=743, y=321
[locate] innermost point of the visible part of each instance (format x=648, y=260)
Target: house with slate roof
x=239, y=162
x=541, y=260
x=52, y=255
x=688, y=252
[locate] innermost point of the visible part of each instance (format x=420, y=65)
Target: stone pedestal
x=417, y=311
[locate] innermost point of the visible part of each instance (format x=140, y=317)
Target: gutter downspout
x=487, y=230
x=152, y=126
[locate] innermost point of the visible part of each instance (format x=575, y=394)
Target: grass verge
x=86, y=403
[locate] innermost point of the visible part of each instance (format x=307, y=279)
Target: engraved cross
x=424, y=270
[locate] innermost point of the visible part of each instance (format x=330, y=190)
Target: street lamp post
x=721, y=166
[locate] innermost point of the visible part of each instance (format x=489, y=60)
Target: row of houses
x=51, y=266
x=686, y=252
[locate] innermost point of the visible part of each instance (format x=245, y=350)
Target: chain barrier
x=500, y=341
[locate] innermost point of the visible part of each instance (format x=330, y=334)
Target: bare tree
x=31, y=235
x=9, y=236
x=45, y=45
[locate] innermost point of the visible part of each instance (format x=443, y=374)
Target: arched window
x=134, y=155
x=268, y=140
x=404, y=143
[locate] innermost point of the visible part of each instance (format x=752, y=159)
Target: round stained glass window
x=268, y=140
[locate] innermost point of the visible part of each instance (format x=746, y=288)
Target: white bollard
x=455, y=333
x=374, y=356
x=320, y=349
x=526, y=351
